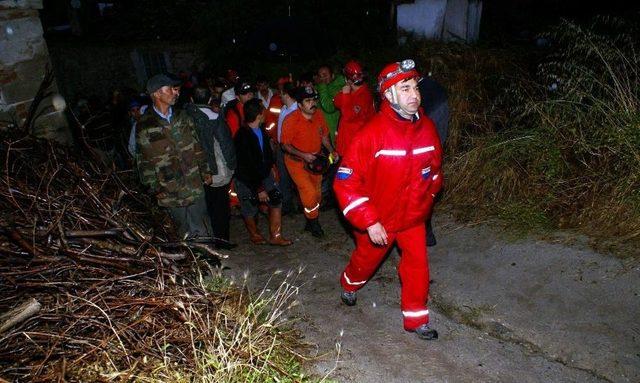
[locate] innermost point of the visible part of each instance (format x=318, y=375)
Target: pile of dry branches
x=87, y=273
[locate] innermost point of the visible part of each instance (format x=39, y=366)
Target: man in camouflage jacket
x=170, y=159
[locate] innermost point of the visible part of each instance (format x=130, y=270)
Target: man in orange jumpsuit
x=355, y=103
x=304, y=133
x=385, y=185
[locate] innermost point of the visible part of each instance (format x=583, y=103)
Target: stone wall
x=23, y=59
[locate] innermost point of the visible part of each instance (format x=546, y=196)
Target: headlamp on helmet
x=396, y=72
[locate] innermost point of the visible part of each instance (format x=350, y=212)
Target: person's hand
x=161, y=195
x=377, y=234
x=263, y=197
x=208, y=179
x=308, y=157
x=346, y=89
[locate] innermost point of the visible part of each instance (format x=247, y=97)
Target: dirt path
x=526, y=311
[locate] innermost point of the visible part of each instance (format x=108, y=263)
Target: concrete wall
x=23, y=59
x=446, y=20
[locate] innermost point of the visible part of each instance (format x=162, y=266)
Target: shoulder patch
x=344, y=173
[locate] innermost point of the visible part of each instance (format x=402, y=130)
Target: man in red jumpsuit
x=355, y=103
x=385, y=187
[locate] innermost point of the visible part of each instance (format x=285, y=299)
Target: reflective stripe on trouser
x=308, y=186
x=233, y=196
x=413, y=270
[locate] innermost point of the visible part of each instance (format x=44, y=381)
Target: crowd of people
x=206, y=148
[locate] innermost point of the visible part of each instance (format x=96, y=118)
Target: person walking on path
x=170, y=160
x=385, y=187
x=355, y=103
x=304, y=134
x=216, y=141
x=328, y=86
x=435, y=105
x=255, y=183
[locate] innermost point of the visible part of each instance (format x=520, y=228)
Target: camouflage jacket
x=170, y=159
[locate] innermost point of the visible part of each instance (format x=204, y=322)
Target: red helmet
x=353, y=71
x=396, y=72
x=284, y=80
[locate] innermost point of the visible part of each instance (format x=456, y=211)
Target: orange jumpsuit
x=306, y=136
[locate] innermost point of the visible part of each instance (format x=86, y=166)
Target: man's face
x=308, y=106
x=134, y=112
x=324, y=75
x=262, y=86
x=408, y=95
x=217, y=91
x=168, y=95
x=245, y=97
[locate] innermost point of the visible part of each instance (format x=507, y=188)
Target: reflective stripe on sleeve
x=435, y=177
x=423, y=150
x=353, y=283
x=274, y=110
x=389, y=152
x=354, y=204
x=415, y=314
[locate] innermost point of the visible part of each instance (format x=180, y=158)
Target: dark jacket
x=254, y=165
x=213, y=130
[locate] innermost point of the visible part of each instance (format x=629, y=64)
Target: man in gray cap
x=170, y=160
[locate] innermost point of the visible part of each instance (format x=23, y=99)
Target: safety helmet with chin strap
x=353, y=71
x=393, y=74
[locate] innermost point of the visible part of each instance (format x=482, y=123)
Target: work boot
x=275, y=228
x=313, y=226
x=252, y=228
x=349, y=298
x=425, y=332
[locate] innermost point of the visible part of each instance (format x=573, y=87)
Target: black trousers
x=219, y=210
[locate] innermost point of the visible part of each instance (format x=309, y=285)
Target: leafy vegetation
x=560, y=147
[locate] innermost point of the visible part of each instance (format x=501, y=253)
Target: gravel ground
x=507, y=311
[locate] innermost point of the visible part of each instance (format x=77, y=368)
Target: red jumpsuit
x=390, y=174
x=235, y=118
x=356, y=108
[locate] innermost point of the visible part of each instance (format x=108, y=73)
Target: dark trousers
x=285, y=183
x=219, y=211
x=328, y=199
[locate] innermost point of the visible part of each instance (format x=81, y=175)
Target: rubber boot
x=313, y=226
x=252, y=228
x=275, y=228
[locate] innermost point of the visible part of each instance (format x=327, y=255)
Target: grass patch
x=553, y=147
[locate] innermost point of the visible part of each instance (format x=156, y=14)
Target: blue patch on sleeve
x=344, y=173
x=426, y=172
